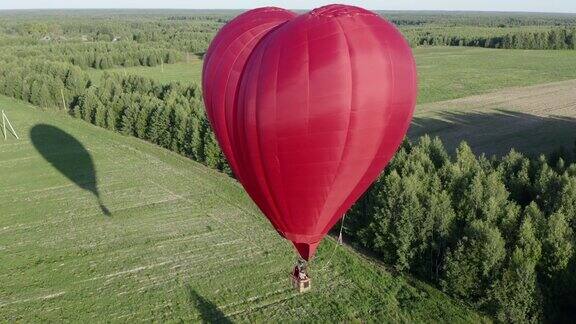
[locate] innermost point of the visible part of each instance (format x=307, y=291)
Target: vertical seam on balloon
x=288, y=219
x=210, y=58
x=349, y=119
x=307, y=83
x=308, y=91
x=256, y=185
x=218, y=65
x=272, y=200
x=226, y=122
x=359, y=183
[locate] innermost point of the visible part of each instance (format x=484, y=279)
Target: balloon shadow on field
x=209, y=312
x=67, y=155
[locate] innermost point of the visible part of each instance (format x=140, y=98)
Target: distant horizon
x=523, y=6
x=295, y=9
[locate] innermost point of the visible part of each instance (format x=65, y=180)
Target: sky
x=567, y=6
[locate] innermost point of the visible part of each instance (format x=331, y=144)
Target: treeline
x=192, y=36
x=108, y=55
x=553, y=38
x=170, y=115
x=497, y=233
x=477, y=19
x=95, y=55
x=41, y=83
x=191, y=31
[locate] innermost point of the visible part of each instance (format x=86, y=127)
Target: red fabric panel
x=323, y=102
x=223, y=65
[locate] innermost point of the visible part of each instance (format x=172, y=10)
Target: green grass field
x=184, y=71
x=444, y=72
x=181, y=242
x=454, y=72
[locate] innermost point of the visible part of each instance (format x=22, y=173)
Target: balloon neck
x=306, y=250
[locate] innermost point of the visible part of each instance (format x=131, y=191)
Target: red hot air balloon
x=314, y=108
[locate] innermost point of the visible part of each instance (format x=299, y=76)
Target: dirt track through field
x=536, y=119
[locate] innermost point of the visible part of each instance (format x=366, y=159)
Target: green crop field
x=95, y=226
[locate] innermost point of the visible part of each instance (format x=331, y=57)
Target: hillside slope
x=95, y=226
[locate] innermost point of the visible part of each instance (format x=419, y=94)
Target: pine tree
x=566, y=200
x=100, y=115
x=537, y=217
x=193, y=146
x=214, y=157
x=75, y=81
x=129, y=118
x=394, y=224
x=40, y=95
x=558, y=244
x=546, y=185
x=25, y=93
x=516, y=294
x=142, y=120
x=111, y=121
x=443, y=216
x=476, y=261
x=90, y=104
x=166, y=120
x=178, y=134
x=153, y=131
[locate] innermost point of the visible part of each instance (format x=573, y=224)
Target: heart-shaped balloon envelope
x=322, y=102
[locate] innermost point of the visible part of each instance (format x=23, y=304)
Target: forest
x=192, y=31
x=494, y=232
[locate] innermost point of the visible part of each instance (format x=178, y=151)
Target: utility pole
x=63, y=99
x=4, y=121
x=3, y=125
